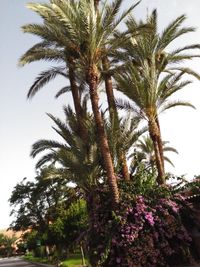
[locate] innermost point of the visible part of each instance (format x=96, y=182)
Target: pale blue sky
x=23, y=122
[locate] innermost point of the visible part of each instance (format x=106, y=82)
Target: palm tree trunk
x=96, y=4
x=160, y=143
x=125, y=170
x=154, y=134
x=77, y=100
x=113, y=113
x=109, y=91
x=92, y=80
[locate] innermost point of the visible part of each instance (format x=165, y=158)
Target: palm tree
x=113, y=111
x=107, y=76
x=9, y=243
x=100, y=27
x=54, y=47
x=74, y=160
x=146, y=151
x=151, y=76
x=122, y=138
x=90, y=35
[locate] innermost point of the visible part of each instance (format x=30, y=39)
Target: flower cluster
x=151, y=234
x=143, y=232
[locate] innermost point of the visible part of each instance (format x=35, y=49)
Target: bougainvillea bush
x=144, y=231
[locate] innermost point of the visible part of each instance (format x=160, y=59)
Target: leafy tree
x=35, y=203
x=69, y=229
x=51, y=217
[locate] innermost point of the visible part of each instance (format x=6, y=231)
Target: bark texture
x=77, y=100
x=113, y=112
x=154, y=134
x=92, y=80
x=96, y=5
x=160, y=143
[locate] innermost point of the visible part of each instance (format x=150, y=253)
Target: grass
x=35, y=259
x=73, y=261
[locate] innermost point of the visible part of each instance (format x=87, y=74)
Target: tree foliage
x=118, y=202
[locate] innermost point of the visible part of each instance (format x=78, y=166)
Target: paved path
x=16, y=262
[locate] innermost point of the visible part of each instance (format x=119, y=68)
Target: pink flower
x=149, y=217
x=118, y=260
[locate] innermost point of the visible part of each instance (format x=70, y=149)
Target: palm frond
x=63, y=130
x=172, y=104
x=46, y=159
x=177, y=59
x=170, y=149
x=36, y=54
x=173, y=89
x=44, y=32
x=45, y=77
x=187, y=71
x=127, y=106
x=42, y=9
x=62, y=91
x=125, y=14
x=172, y=32
x=187, y=47
x=169, y=161
x=43, y=145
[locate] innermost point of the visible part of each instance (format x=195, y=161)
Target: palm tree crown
x=152, y=76
x=146, y=151
x=74, y=161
